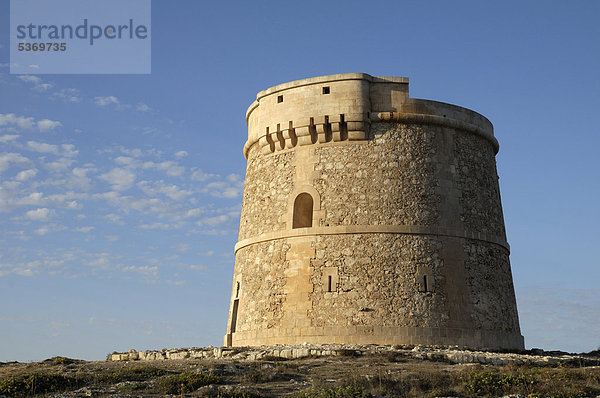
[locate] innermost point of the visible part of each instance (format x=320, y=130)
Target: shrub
x=490, y=383
x=135, y=386
x=61, y=360
x=337, y=392
x=136, y=373
x=185, y=382
x=36, y=383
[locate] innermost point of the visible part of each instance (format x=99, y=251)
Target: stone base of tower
x=384, y=335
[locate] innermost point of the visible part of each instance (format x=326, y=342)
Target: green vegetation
x=135, y=386
x=336, y=392
x=479, y=381
x=185, y=382
x=61, y=360
x=136, y=373
x=37, y=383
x=490, y=383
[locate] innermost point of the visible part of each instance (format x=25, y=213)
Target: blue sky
x=120, y=194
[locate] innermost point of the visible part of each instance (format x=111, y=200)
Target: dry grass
x=384, y=375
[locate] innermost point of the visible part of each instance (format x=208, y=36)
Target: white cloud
x=126, y=161
x=21, y=122
x=114, y=218
x=160, y=225
x=142, y=107
x=182, y=247
x=119, y=179
x=80, y=179
x=144, y=270
x=66, y=150
x=43, y=87
x=6, y=159
x=112, y=238
x=73, y=205
x=58, y=166
x=69, y=150
x=213, y=221
x=181, y=154
x=169, y=167
x=84, y=230
x=171, y=191
x=12, y=122
x=135, y=152
x=231, y=187
x=33, y=199
x=194, y=212
x=30, y=268
x=29, y=79
x=8, y=137
x=41, y=214
x=46, y=125
x=199, y=175
x=105, y=101
x=66, y=95
x=42, y=147
x=26, y=174
x=42, y=230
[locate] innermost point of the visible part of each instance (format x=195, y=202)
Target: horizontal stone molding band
x=444, y=336
x=372, y=229
x=435, y=120
x=362, y=124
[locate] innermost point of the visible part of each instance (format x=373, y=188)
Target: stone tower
x=370, y=217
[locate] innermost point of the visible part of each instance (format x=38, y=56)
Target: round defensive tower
x=370, y=217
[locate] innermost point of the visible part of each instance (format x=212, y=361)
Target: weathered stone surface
x=449, y=354
x=370, y=217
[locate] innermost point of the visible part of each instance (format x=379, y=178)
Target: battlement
x=342, y=107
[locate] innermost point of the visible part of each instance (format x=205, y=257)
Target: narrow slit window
x=237, y=290
x=326, y=90
x=279, y=98
x=303, y=211
x=425, y=289
x=329, y=280
x=234, y=314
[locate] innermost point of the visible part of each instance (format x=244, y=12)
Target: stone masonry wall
x=388, y=180
x=491, y=287
x=378, y=281
x=260, y=270
x=477, y=180
x=266, y=192
x=406, y=243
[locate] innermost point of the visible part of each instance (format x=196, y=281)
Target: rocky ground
x=309, y=371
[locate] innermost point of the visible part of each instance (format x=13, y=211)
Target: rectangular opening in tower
x=234, y=313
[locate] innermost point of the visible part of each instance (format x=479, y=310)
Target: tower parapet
x=341, y=107
x=370, y=217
